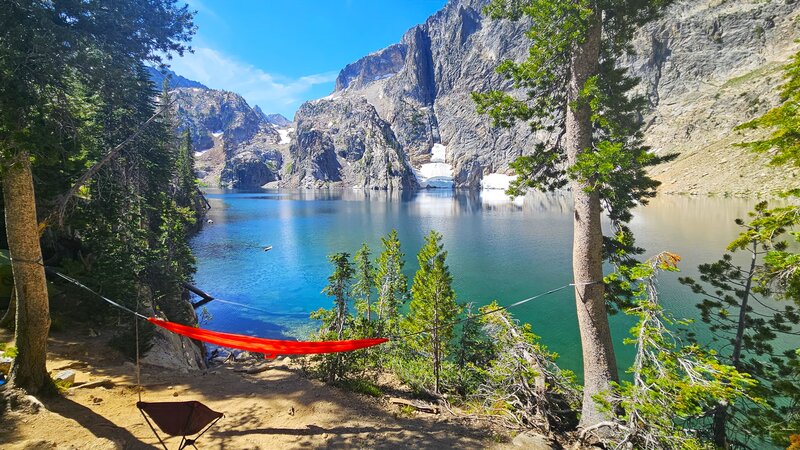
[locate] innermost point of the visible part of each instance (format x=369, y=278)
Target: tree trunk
x=436, y=345
x=720, y=423
x=33, y=315
x=599, y=364
x=10, y=317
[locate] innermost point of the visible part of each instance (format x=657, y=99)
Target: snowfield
x=284, y=133
x=437, y=173
x=497, y=181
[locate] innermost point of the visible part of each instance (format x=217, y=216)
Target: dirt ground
x=278, y=408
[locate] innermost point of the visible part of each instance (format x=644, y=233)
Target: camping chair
x=179, y=419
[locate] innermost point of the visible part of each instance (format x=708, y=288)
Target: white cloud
x=273, y=93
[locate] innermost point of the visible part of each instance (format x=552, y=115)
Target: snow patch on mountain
x=284, y=133
x=495, y=181
x=437, y=173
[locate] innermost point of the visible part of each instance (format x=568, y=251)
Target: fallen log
x=205, y=297
x=418, y=405
x=108, y=384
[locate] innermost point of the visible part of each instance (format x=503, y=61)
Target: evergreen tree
x=523, y=384
x=47, y=49
x=186, y=182
x=472, y=353
x=364, y=283
x=671, y=383
x=336, y=322
x=781, y=263
x=391, y=283
x=578, y=95
x=737, y=309
x=134, y=237
x=339, y=288
x=433, y=305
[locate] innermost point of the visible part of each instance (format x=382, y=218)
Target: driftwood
x=205, y=297
x=419, y=406
x=93, y=384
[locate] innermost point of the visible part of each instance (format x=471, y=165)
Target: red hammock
x=269, y=347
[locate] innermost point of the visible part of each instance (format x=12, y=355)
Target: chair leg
x=154, y=430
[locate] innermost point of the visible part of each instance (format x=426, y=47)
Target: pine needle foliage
x=753, y=331
x=616, y=165
x=783, y=121
x=433, y=306
x=673, y=383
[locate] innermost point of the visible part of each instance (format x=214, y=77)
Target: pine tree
x=364, y=283
x=336, y=322
x=576, y=93
x=339, y=288
x=523, y=384
x=472, y=353
x=47, y=48
x=391, y=283
x=736, y=308
x=186, y=182
x=433, y=305
x=672, y=383
x=781, y=263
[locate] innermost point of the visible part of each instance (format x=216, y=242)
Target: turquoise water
x=497, y=250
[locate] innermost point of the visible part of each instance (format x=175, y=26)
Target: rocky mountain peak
x=175, y=80
x=694, y=63
x=236, y=146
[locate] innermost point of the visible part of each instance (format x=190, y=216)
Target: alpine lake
x=498, y=249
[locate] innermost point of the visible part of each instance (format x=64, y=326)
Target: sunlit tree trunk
x=33, y=315
x=599, y=364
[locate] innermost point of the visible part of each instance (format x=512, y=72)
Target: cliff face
x=706, y=66
x=347, y=140
x=236, y=146
x=421, y=88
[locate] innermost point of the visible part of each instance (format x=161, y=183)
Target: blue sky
x=278, y=54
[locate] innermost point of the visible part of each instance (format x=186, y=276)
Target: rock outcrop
x=235, y=145
x=347, y=140
x=421, y=88
x=175, y=81
x=706, y=66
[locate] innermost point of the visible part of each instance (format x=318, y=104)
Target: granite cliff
x=706, y=66
x=235, y=145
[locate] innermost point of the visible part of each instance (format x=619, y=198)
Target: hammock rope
x=268, y=347
x=273, y=347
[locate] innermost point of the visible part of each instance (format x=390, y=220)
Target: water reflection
x=498, y=249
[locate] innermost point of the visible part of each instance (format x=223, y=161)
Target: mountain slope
x=706, y=66
x=175, y=80
x=421, y=87
x=235, y=146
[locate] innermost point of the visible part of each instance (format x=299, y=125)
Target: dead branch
x=64, y=200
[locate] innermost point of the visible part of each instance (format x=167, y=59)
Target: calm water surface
x=496, y=250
